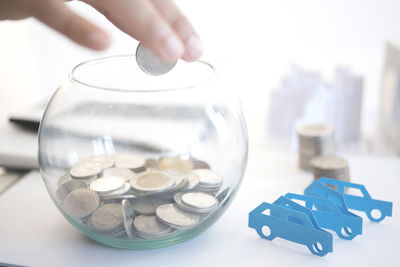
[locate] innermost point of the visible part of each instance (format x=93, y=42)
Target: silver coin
x=304, y=165
x=107, y=184
x=151, y=164
x=199, y=164
x=315, y=150
x=211, y=188
x=175, y=217
x=128, y=214
x=120, y=233
x=107, y=218
x=337, y=175
x=146, y=205
x=179, y=177
x=150, y=63
x=199, y=200
x=329, y=163
x=86, y=170
x=68, y=187
x=211, y=191
x=149, y=227
x=310, y=130
x=127, y=174
x=118, y=197
x=208, y=178
x=183, y=206
x=65, y=178
x=130, y=161
x=193, y=181
x=152, y=182
x=225, y=194
x=314, y=140
x=341, y=178
x=149, y=237
x=325, y=142
x=175, y=163
x=166, y=196
x=120, y=191
x=81, y=202
x=105, y=161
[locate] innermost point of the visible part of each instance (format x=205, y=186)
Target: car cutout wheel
x=317, y=248
x=346, y=233
x=266, y=232
x=375, y=215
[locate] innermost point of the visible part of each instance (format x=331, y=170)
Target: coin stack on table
x=331, y=166
x=314, y=140
x=128, y=196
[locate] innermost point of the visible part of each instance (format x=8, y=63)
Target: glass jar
x=116, y=146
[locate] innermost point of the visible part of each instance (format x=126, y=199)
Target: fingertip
x=98, y=40
x=193, y=48
x=172, y=49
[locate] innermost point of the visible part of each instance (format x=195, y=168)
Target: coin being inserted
x=150, y=63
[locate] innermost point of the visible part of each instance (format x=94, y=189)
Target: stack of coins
x=209, y=181
x=131, y=197
x=314, y=140
x=331, y=166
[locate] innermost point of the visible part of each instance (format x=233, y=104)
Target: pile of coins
x=331, y=166
x=314, y=140
x=128, y=196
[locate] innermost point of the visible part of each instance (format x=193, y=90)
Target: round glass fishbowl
x=138, y=161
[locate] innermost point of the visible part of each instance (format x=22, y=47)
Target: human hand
x=158, y=24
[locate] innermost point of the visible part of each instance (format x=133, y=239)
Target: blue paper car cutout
x=291, y=221
x=364, y=203
x=328, y=215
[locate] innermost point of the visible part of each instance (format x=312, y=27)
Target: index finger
x=58, y=16
x=141, y=20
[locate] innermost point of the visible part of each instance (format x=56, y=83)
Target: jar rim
x=101, y=60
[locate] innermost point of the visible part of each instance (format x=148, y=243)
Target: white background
x=252, y=44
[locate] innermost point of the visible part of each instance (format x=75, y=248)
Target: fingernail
x=173, y=49
x=194, y=48
x=98, y=40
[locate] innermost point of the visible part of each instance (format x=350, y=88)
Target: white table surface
x=34, y=233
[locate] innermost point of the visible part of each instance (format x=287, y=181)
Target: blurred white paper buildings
x=389, y=123
x=304, y=97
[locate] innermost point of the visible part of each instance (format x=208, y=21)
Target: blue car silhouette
x=291, y=221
